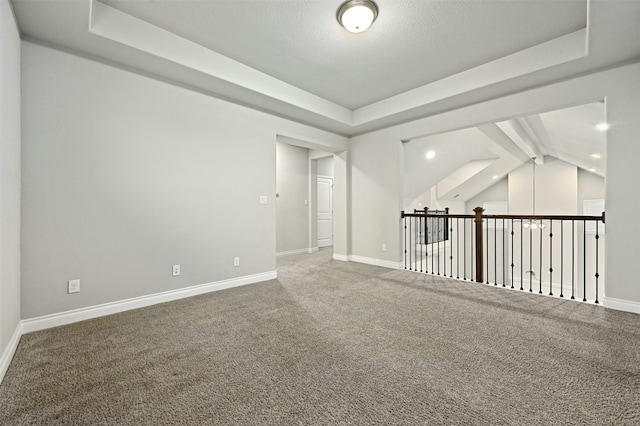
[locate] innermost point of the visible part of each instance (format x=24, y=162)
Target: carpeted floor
x=335, y=343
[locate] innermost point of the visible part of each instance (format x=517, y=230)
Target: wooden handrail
x=507, y=216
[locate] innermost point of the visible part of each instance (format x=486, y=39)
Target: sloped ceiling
x=469, y=161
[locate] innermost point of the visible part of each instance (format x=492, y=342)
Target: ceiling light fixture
x=602, y=127
x=430, y=154
x=596, y=155
x=357, y=15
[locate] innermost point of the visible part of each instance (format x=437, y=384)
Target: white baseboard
x=376, y=262
x=621, y=305
x=296, y=251
x=314, y=249
x=10, y=350
x=68, y=317
x=341, y=257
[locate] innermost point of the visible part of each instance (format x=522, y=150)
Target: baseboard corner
x=10, y=350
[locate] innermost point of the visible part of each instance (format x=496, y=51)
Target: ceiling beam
x=519, y=136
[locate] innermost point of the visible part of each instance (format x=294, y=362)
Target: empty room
x=319, y=212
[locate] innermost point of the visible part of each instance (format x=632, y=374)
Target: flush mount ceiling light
x=602, y=127
x=357, y=15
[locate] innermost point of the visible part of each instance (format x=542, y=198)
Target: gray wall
x=499, y=191
x=125, y=176
x=325, y=166
x=590, y=187
x=10, y=177
x=292, y=187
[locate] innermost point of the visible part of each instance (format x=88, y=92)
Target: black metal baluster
x=426, y=244
x=464, y=249
x=411, y=221
x=495, y=252
x=438, y=240
x=420, y=241
x=512, y=255
x=521, y=256
x=597, y=274
x=530, y=260
x=573, y=260
x=486, y=271
x=561, y=258
x=504, y=255
x=457, y=247
x=473, y=255
x=584, y=260
x=540, y=279
x=450, y=248
x=551, y=257
x=404, y=220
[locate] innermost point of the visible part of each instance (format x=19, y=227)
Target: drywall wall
x=376, y=198
x=556, y=188
x=590, y=187
x=292, y=202
x=621, y=89
x=325, y=166
x=341, y=206
x=125, y=176
x=499, y=191
x=9, y=183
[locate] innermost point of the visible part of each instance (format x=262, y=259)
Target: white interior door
x=325, y=212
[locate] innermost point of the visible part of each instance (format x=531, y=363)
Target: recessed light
x=602, y=127
x=495, y=177
x=430, y=154
x=596, y=155
x=592, y=170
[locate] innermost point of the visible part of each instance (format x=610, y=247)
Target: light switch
x=263, y=199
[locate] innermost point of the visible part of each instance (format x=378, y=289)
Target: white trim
x=314, y=250
x=621, y=304
x=376, y=262
x=341, y=257
x=293, y=252
x=68, y=317
x=10, y=350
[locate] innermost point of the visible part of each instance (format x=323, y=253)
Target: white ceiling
x=300, y=42
x=292, y=59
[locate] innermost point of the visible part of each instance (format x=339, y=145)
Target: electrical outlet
x=73, y=286
x=236, y=261
x=384, y=247
x=176, y=270
x=263, y=199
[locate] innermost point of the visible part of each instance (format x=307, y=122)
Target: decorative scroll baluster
x=512, y=255
x=540, y=279
x=551, y=258
x=573, y=260
x=495, y=251
x=561, y=258
x=521, y=256
x=597, y=273
x=584, y=260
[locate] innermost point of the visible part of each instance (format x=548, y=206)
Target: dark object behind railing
x=500, y=249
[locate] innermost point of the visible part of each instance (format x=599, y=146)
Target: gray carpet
x=335, y=343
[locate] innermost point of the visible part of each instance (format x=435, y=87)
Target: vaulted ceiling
x=292, y=59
